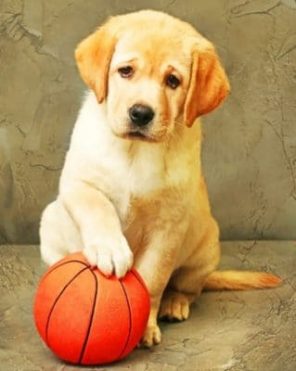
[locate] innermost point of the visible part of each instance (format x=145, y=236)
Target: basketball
x=86, y=318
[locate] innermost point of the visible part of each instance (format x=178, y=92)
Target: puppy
x=131, y=191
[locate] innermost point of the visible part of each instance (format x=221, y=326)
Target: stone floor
x=249, y=331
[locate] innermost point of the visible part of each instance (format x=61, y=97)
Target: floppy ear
x=208, y=85
x=93, y=56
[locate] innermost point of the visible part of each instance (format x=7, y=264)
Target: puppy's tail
x=237, y=280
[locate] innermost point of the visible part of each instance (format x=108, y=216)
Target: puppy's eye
x=172, y=81
x=126, y=71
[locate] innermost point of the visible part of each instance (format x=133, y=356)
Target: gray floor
x=254, y=330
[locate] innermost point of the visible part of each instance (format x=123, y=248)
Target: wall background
x=249, y=152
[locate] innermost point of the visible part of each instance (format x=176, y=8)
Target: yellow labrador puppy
x=132, y=190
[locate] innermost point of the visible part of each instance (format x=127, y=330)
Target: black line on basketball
x=140, y=280
x=60, y=265
x=90, y=319
x=130, y=320
x=57, y=299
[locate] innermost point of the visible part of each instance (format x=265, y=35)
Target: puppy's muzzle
x=141, y=115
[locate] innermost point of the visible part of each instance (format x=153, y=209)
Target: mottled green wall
x=250, y=143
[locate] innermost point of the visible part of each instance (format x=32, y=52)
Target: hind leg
x=183, y=289
x=175, y=305
x=187, y=282
x=59, y=235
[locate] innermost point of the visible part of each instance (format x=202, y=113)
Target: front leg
x=104, y=243
x=155, y=263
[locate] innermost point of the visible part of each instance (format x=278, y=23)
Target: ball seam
x=61, y=265
x=56, y=301
x=130, y=321
x=90, y=319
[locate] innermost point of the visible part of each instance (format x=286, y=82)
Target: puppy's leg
x=187, y=282
x=184, y=288
x=175, y=305
x=58, y=233
x=95, y=215
x=156, y=263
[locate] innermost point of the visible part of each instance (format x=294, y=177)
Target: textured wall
x=250, y=143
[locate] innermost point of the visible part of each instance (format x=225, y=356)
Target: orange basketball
x=86, y=318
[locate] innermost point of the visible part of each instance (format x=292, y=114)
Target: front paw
x=152, y=336
x=110, y=255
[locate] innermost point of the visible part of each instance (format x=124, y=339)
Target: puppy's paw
x=174, y=306
x=152, y=336
x=110, y=255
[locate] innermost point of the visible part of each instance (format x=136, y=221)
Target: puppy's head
x=155, y=73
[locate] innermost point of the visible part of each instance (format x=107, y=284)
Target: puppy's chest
x=144, y=176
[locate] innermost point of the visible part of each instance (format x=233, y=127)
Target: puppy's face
x=147, y=85
x=155, y=73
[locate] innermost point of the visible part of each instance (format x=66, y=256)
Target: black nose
x=141, y=115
